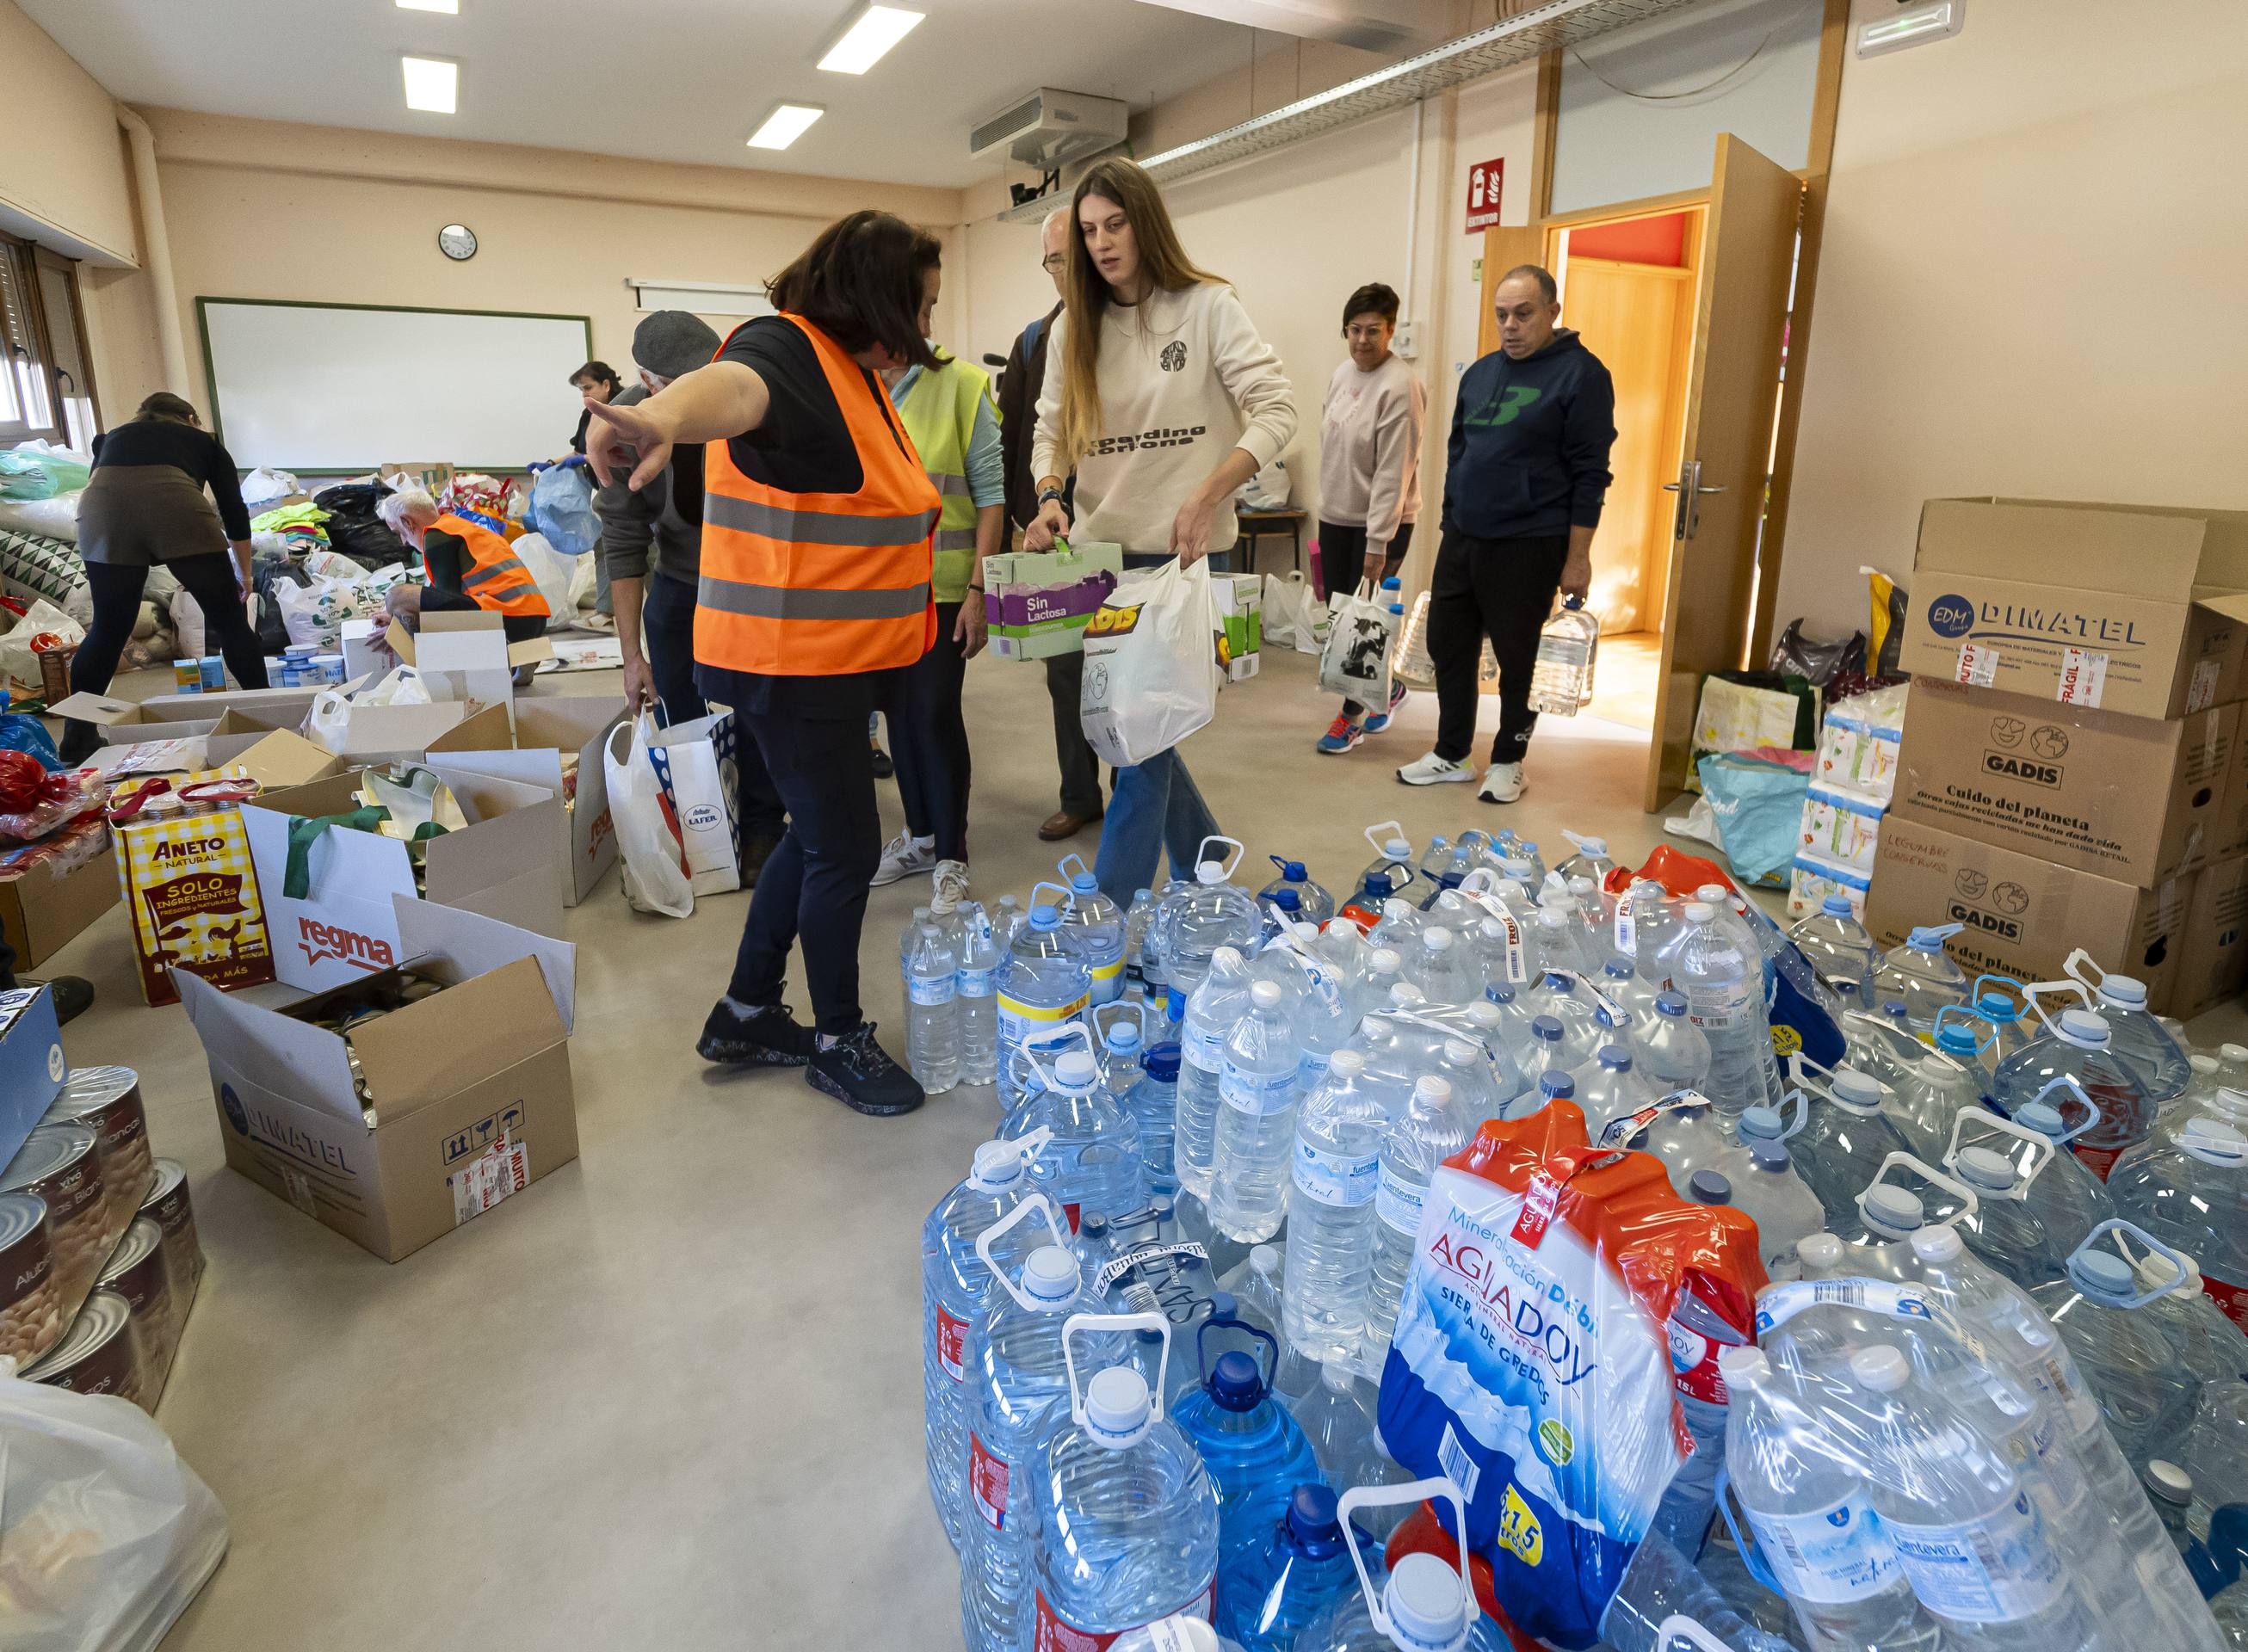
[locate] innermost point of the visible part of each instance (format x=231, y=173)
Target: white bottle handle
x=2077, y=963
x=1361, y=1496
x=1969, y=1203
x=990, y=1235
x=2180, y=1281
x=1388, y=829
x=2068, y=1081
x=2031, y=995
x=2042, y=1151
x=1056, y=1043
x=1216, y=838
x=1076, y=1324
x=1797, y=1064
x=1679, y=1626
x=1025, y=1147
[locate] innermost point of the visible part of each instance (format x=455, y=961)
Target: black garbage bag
x=268, y=573
x=353, y=528
x=1797, y=655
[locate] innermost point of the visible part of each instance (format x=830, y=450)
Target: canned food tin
x=167, y=1206
x=107, y=1100
x=61, y=1163
x=31, y=1311
x=96, y=1355
x=136, y=1271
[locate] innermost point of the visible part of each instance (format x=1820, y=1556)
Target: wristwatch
x=1053, y=494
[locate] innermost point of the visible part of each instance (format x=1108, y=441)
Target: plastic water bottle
x=1259, y=1285
x=1138, y=919
x=933, y=1026
x=1607, y=1089
x=1392, y=862
x=2146, y=1394
x=2073, y=1066
x=2188, y=1188
x=1561, y=681
x=1669, y=1050
x=1622, y=985
x=1338, y=1419
x=1217, y=1002
x=1646, y=917
x=1316, y=904
x=1256, y=1129
x=908, y=941
x=1422, y=1605
x=1475, y=1084
x=1099, y=926
x=1591, y=860
x=1929, y=1092
x=1428, y=1130
x=1437, y=861
x=1563, y=943
x=1786, y=1212
x=977, y=987
x=2212, y=1346
x=1272, y=1586
x=1256, y=1453
x=1845, y=1138
x=955, y=1283
x=1441, y=968
x=1723, y=984
x=1555, y=994
x=1194, y=920
x=1128, y=1519
x=1153, y=1103
x=1837, y=943
x=1018, y=1381
x=1008, y=920
x=1921, y=976
x=1042, y=985
x=2002, y=1229
x=1687, y=1136
x=2140, y=1042
x=1335, y=1172
x=1091, y=1164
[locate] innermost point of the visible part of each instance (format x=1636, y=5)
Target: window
x=46, y=388
x=26, y=406
x=68, y=354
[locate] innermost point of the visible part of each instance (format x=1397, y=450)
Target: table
x=1254, y=524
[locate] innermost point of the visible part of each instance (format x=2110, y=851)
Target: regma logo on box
x=320, y=941
x=1951, y=616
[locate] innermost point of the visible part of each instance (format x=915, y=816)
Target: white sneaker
x=948, y=884
x=1502, y=783
x=902, y=856
x=1433, y=770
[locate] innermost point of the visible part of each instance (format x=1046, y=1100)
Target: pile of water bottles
x=1221, y=1111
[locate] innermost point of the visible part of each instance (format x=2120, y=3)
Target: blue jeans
x=1153, y=807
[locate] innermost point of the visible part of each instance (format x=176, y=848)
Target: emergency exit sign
x=1484, y=179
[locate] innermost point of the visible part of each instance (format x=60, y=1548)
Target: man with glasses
x=1018, y=418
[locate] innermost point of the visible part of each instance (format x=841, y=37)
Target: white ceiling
x=667, y=79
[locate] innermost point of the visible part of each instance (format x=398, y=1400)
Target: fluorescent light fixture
x=876, y=29
x=1903, y=29
x=450, y=8
x=788, y=122
x=432, y=84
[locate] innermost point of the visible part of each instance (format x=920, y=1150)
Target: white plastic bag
x=263, y=489
x=188, y=625
x=648, y=833
x=315, y=613
x=329, y=721
x=1268, y=489
x=694, y=762
x=1151, y=671
x=554, y=573
x=104, y=1534
x=1356, y=663
x=17, y=660
x=1288, y=601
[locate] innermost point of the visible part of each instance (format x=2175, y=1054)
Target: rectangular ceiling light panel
x=788, y=122
x=450, y=8
x=876, y=29
x=432, y=84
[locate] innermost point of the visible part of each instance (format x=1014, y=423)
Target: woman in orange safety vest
x=817, y=564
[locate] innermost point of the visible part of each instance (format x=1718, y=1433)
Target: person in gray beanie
x=652, y=542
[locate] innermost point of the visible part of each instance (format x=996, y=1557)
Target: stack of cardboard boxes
x=2074, y=771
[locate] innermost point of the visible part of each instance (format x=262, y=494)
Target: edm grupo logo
x=1951, y=616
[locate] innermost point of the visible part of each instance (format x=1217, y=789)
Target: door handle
x=1687, y=516
x=1672, y=487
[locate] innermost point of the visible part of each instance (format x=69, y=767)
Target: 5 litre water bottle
x=1669, y=1050
x=2073, y=1065
x=1837, y=943
x=1921, y=977
x=1099, y=926
x=976, y=987
x=1092, y=1162
x=1562, y=679
x=1846, y=1137
x=2068, y=1199
x=1275, y=1585
x=1422, y=1606
x=1043, y=984
x=1441, y=968
x=1255, y=1454
x=1392, y=862
x=2002, y=1229
x=2188, y=1188
x=954, y=1281
x=1430, y=1130
x=1256, y=1122
x=2140, y=1042
x=1786, y=1212
x=1335, y=1171
x=933, y=1003
x=1127, y=1519
x=1723, y=984
x=2146, y=1396
x=1217, y=1002
x=1607, y=1089
x=1316, y=905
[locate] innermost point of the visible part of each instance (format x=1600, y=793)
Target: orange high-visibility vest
x=820, y=585
x=496, y=578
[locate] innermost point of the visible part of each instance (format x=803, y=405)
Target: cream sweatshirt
x=1370, y=450
x=1184, y=380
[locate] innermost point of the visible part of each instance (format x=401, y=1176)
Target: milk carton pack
x=1562, y=1303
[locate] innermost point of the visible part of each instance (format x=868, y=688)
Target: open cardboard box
x=42, y=910
x=274, y=758
x=398, y=1131
x=466, y=656
x=547, y=727
x=507, y=864
x=174, y=716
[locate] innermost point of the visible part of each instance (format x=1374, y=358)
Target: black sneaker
x=763, y=1037
x=858, y=1073
x=883, y=767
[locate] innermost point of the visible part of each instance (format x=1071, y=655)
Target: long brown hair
x=1085, y=295
x=860, y=284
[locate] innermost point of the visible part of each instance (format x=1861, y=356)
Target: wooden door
x=1733, y=395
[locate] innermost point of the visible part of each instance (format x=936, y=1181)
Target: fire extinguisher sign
x=1484, y=179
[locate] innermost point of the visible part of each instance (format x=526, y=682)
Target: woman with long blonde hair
x=1164, y=400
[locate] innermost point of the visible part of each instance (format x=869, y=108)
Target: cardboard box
x=31, y=1064
x=466, y=656
x=2022, y=914
x=50, y=890
x=2128, y=609
x=547, y=729
x=279, y=757
x=174, y=716
x=2214, y=966
x=1036, y=603
x=398, y=1131
x=1240, y=599
x=2126, y=797
x=507, y=864
x=366, y=650
x=402, y=733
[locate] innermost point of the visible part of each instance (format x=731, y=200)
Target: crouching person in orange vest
x=817, y=564
x=470, y=566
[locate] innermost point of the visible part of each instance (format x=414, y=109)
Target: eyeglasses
x=1054, y=263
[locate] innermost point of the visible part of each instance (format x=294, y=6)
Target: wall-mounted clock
x=457, y=242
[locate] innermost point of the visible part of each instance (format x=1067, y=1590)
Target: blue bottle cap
x=1835, y=906
x=1954, y=1040
x=1557, y=1087
x=1045, y=918
x=1617, y=969
x=1615, y=1058
x=1708, y=1187
x=1548, y=1028
x=1378, y=886
x=1670, y=1001
x=1235, y=1384
x=1287, y=900
x=1762, y=1124
x=1997, y=1006
x=1499, y=992
x=1292, y=871
x=1313, y=1525
x=1084, y=883
x=1162, y=1062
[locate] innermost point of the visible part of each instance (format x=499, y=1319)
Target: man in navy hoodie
x=1523, y=488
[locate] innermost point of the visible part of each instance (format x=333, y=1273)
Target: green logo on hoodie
x=1511, y=401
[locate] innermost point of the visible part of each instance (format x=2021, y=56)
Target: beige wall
x=2031, y=282
x=62, y=167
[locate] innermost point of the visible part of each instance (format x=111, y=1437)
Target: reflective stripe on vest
x=939, y=412
x=496, y=578
x=820, y=585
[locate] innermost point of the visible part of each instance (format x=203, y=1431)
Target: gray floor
x=671, y=1395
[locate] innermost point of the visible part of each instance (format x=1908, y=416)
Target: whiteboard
x=346, y=387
